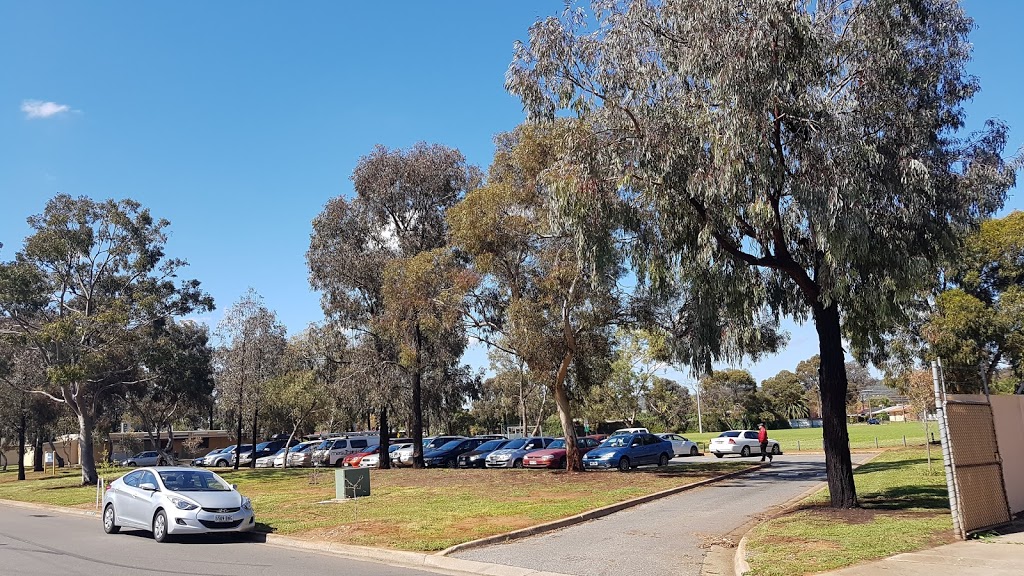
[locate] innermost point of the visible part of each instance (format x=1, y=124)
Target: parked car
x=299, y=456
x=332, y=452
x=626, y=451
x=227, y=456
x=403, y=457
x=742, y=442
x=447, y=455
x=150, y=458
x=373, y=460
x=624, y=431
x=352, y=460
x=262, y=449
x=874, y=421
x=175, y=500
x=201, y=461
x=477, y=458
x=554, y=455
x=680, y=445
x=268, y=461
x=511, y=455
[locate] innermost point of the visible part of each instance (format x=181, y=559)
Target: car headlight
x=502, y=457
x=246, y=504
x=604, y=456
x=546, y=457
x=182, y=504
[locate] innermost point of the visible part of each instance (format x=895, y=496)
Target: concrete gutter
x=591, y=514
x=739, y=561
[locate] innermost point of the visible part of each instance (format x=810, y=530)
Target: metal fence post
x=947, y=457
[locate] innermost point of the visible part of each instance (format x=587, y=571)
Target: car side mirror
x=635, y=444
x=148, y=486
x=234, y=486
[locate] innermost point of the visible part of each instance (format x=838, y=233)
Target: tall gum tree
x=85, y=291
x=799, y=154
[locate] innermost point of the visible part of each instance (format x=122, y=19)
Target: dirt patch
x=846, y=516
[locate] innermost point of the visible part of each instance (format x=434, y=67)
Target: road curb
x=51, y=508
x=739, y=561
x=590, y=515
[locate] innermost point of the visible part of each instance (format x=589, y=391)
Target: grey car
x=511, y=455
x=149, y=458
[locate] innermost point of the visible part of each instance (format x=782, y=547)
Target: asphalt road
x=665, y=537
x=43, y=543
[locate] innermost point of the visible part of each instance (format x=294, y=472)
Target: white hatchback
x=742, y=442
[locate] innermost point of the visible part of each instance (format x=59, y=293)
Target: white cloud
x=40, y=109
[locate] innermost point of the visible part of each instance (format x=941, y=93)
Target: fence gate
x=977, y=467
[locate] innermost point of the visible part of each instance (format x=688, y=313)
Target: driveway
x=670, y=536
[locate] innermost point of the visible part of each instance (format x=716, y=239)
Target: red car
x=554, y=455
x=352, y=460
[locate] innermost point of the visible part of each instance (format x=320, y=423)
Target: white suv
x=332, y=452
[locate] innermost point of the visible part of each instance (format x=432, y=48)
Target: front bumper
x=600, y=464
x=538, y=463
x=465, y=462
x=203, y=522
x=500, y=463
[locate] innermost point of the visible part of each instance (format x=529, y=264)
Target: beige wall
x=1008, y=413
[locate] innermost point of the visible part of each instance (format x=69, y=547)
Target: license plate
x=222, y=518
x=531, y=462
x=591, y=463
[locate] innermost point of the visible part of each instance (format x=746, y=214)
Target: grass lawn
x=862, y=436
x=422, y=510
x=904, y=507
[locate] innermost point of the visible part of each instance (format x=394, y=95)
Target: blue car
x=628, y=451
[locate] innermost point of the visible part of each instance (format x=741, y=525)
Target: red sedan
x=352, y=460
x=554, y=455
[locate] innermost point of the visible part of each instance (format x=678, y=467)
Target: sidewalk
x=991, y=556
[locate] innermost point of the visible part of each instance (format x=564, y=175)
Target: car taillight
x=731, y=441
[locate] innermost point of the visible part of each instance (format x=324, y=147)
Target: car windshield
x=491, y=445
x=299, y=448
x=262, y=446
x=617, y=441
x=729, y=434
x=193, y=481
x=516, y=444
x=371, y=449
x=394, y=447
x=449, y=445
x=281, y=451
x=326, y=444
x=560, y=443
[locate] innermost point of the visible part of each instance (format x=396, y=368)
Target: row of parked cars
x=624, y=449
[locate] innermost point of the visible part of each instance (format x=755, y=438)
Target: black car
x=476, y=458
x=447, y=455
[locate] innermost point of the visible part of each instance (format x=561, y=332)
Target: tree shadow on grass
x=885, y=466
x=906, y=497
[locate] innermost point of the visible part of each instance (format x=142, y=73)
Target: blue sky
x=238, y=121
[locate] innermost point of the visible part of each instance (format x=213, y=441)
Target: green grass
x=862, y=436
x=904, y=507
x=422, y=510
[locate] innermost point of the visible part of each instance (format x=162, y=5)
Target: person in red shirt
x=762, y=437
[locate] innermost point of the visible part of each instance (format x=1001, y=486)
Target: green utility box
x=351, y=483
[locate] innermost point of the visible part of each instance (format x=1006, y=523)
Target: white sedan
x=178, y=500
x=742, y=442
x=680, y=445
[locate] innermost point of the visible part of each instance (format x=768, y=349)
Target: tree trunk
x=832, y=381
x=385, y=439
x=255, y=421
x=417, y=403
x=21, y=441
x=37, y=452
x=88, y=459
x=238, y=442
x=572, y=454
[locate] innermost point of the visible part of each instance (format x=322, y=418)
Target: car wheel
x=109, y=520
x=776, y=450
x=517, y=464
x=132, y=464
x=663, y=460
x=623, y=464
x=160, y=527
x=694, y=451
x=745, y=452
x=718, y=454
x=221, y=463
x=453, y=463
x=563, y=464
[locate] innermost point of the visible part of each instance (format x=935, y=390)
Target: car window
x=560, y=443
x=729, y=434
x=340, y=444
x=750, y=435
x=617, y=441
x=534, y=443
x=515, y=444
x=491, y=445
x=132, y=479
x=194, y=481
x=450, y=445
x=591, y=442
x=148, y=476
x=357, y=444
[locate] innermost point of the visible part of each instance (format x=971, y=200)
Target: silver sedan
x=168, y=501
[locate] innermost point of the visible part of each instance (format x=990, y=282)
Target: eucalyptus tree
x=85, y=291
x=537, y=298
x=802, y=156
x=250, y=354
x=179, y=359
x=397, y=213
